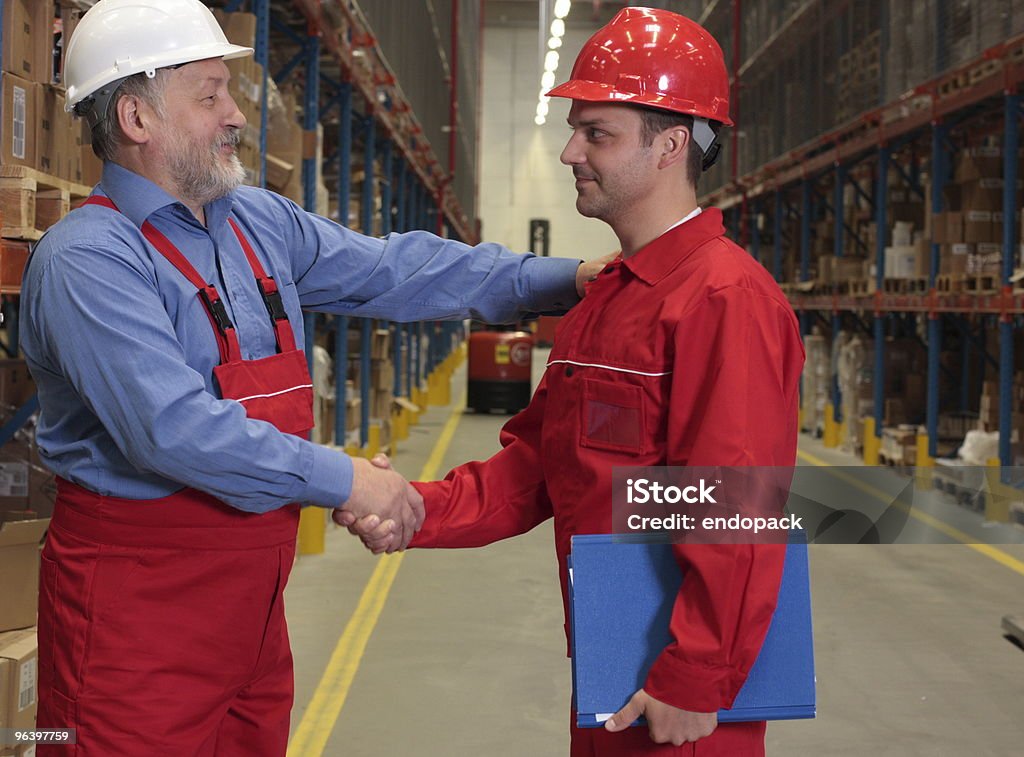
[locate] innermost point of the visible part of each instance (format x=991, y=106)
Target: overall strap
x=224, y=329
x=270, y=293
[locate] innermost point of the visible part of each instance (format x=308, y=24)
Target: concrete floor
x=467, y=658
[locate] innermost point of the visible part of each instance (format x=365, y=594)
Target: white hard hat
x=118, y=38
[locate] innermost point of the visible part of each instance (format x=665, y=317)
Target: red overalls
x=161, y=622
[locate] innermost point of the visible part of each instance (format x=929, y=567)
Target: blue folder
x=622, y=591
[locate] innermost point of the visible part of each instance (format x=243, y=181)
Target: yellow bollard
x=444, y=387
x=831, y=435
x=872, y=444
x=400, y=424
x=372, y=441
x=997, y=496
x=434, y=389
x=312, y=526
x=923, y=464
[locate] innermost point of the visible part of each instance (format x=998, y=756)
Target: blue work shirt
x=123, y=352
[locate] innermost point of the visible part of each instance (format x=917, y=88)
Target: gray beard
x=202, y=178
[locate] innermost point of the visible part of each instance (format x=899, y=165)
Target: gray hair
x=107, y=135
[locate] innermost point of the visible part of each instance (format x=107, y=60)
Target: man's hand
x=666, y=724
x=383, y=509
x=588, y=271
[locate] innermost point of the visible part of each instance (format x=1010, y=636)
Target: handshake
x=383, y=510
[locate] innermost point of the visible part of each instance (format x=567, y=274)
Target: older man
x=161, y=323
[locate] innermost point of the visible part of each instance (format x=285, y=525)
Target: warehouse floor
x=462, y=653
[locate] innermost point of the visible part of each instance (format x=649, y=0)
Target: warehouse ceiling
x=590, y=14
x=585, y=14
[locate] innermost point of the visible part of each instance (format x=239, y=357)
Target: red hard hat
x=652, y=57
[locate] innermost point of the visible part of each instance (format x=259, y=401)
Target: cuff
x=330, y=477
x=696, y=688
x=552, y=283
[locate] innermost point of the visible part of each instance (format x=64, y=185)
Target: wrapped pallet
x=816, y=380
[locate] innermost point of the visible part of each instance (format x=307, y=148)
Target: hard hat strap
x=706, y=140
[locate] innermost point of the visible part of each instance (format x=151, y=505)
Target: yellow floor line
x=988, y=550
x=318, y=721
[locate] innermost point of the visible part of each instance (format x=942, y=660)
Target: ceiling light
x=558, y=28
x=562, y=8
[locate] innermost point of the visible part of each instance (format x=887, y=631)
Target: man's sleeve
x=418, y=276
x=116, y=345
x=733, y=403
x=483, y=502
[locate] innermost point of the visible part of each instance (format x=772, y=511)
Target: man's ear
x=674, y=146
x=133, y=118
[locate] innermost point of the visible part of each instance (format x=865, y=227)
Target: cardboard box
x=982, y=194
x=19, y=572
x=28, y=39
x=239, y=28
x=25, y=750
x=18, y=121
x=13, y=257
x=979, y=227
x=19, y=681
x=59, y=137
x=979, y=163
x=16, y=384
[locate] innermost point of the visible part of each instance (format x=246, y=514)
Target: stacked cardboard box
x=246, y=87
x=816, y=383
x=988, y=406
x=19, y=685
x=899, y=444
x=970, y=231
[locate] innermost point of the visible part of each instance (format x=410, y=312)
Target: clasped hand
x=666, y=724
x=383, y=510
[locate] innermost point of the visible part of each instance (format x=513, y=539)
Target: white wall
x=521, y=177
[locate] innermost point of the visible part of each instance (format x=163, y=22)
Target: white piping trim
x=274, y=394
x=608, y=367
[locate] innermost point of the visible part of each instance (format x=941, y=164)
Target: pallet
x=862, y=286
x=916, y=285
x=951, y=282
x=984, y=70
x=983, y=283
x=32, y=201
x=954, y=84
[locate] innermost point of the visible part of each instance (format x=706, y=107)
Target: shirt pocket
x=613, y=417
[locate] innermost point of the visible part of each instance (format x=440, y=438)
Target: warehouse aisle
x=466, y=656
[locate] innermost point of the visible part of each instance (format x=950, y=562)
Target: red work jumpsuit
x=687, y=353
x=161, y=622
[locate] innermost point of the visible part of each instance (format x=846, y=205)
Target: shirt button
x=569, y=370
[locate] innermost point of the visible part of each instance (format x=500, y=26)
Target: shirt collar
x=658, y=258
x=138, y=198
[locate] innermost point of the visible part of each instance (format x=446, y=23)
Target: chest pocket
x=613, y=417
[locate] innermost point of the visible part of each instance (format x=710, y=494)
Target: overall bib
x=161, y=622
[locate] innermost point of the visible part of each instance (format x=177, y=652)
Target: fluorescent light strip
x=547, y=81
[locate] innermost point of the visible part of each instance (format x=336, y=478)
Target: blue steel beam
x=837, y=250
x=1011, y=143
x=805, y=230
x=310, y=117
x=386, y=208
x=940, y=160
x=261, y=8
x=369, y=156
x=340, y=321
x=881, y=225
x=399, y=227
x=755, y=233
x=777, y=250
